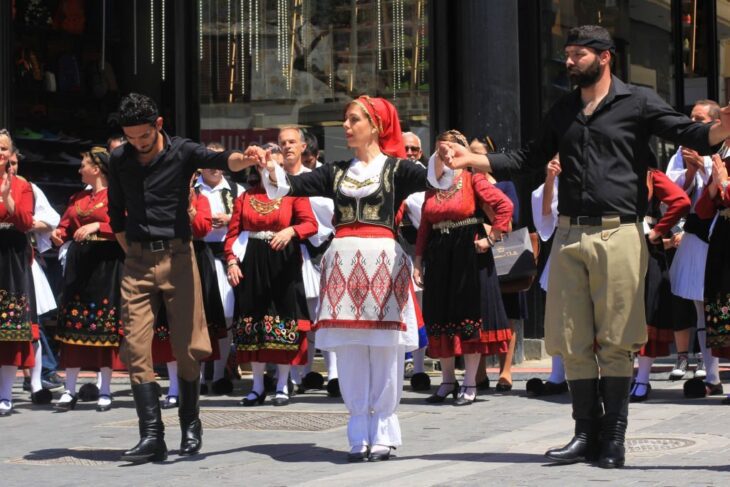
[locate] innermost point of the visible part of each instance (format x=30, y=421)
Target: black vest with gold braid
x=377, y=208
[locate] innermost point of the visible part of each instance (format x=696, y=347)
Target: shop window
x=264, y=64
x=723, y=44
x=694, y=51
x=73, y=60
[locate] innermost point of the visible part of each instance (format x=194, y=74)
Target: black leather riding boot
x=189, y=412
x=615, y=391
x=151, y=446
x=587, y=412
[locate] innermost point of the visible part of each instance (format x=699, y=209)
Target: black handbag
x=515, y=260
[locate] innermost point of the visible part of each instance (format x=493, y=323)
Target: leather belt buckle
x=584, y=220
x=157, y=245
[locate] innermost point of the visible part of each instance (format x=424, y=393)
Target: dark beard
x=587, y=78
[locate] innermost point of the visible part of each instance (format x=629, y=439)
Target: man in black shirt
x=601, y=132
x=149, y=187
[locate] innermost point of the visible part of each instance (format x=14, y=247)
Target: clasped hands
x=261, y=158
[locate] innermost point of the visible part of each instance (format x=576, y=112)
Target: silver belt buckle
x=157, y=246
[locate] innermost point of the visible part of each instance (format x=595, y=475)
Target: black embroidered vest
x=377, y=208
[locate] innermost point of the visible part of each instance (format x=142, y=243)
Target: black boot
x=615, y=391
x=151, y=446
x=189, y=412
x=587, y=413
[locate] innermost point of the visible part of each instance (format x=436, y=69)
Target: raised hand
x=553, y=169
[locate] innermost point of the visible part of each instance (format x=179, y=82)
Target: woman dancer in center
x=462, y=306
x=366, y=310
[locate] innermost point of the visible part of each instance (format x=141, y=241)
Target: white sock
x=282, y=381
x=98, y=380
x=712, y=364
x=296, y=374
x=330, y=361
x=419, y=358
x=219, y=366
x=645, y=363
x=7, y=378
x=557, y=374
x=172, y=373
x=106, y=381
x=72, y=375
x=642, y=375
x=258, y=368
x=35, y=373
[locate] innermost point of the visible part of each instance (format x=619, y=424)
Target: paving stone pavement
x=499, y=440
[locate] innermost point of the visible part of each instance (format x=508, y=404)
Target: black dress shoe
x=42, y=396
x=461, y=400
x=102, y=408
x=435, y=398
x=333, y=388
x=380, y=456
x=503, y=386
x=170, y=402
x=280, y=401
x=64, y=406
x=359, y=456
x=259, y=399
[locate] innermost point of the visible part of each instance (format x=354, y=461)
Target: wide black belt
x=597, y=221
x=159, y=245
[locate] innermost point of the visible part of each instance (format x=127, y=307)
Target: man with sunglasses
x=413, y=146
x=149, y=179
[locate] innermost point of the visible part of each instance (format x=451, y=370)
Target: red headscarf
x=384, y=117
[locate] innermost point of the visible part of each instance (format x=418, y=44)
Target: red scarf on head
x=384, y=117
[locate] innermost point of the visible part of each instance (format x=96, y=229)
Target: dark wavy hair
x=136, y=109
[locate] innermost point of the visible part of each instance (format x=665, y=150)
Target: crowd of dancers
x=371, y=260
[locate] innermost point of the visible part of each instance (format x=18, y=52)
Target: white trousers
x=371, y=382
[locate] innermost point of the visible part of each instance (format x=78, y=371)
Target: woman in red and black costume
x=17, y=308
x=264, y=265
x=716, y=196
x=665, y=312
x=201, y=223
x=89, y=318
x=462, y=304
x=366, y=313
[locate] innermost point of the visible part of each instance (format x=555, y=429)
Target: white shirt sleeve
x=545, y=224
x=45, y=213
x=447, y=178
x=282, y=187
